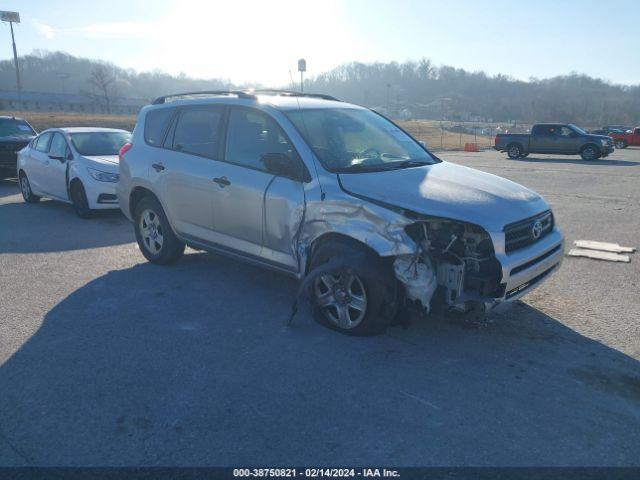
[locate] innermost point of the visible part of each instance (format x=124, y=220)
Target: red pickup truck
x=624, y=140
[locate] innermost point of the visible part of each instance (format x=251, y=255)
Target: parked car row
x=330, y=193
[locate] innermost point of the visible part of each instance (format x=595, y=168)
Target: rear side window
x=42, y=143
x=198, y=131
x=155, y=125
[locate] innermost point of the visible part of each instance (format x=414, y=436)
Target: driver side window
x=59, y=147
x=42, y=142
x=251, y=135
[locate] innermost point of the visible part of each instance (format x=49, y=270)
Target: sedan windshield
x=354, y=140
x=10, y=128
x=99, y=143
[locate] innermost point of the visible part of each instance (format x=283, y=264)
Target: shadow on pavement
x=36, y=227
x=192, y=365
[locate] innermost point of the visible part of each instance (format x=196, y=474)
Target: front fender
x=379, y=228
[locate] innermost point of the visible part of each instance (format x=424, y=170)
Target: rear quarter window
x=155, y=125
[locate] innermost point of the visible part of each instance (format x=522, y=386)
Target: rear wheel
x=79, y=200
x=590, y=152
x=155, y=236
x=620, y=144
x=358, y=298
x=514, y=151
x=25, y=188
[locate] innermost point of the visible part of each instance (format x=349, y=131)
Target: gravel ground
x=108, y=360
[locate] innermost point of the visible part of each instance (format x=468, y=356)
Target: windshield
x=577, y=129
x=354, y=140
x=99, y=143
x=15, y=128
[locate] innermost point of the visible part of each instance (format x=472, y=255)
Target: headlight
x=103, y=176
x=604, y=142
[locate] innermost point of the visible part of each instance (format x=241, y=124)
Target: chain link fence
x=456, y=135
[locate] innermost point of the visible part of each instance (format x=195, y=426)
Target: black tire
x=514, y=151
x=590, y=152
x=79, y=200
x=620, y=144
x=375, y=276
x=165, y=247
x=25, y=188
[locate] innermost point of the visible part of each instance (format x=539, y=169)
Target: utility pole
x=13, y=17
x=302, y=67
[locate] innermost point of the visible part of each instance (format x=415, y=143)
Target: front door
x=55, y=173
x=254, y=210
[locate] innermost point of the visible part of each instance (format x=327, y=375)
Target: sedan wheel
x=25, y=189
x=620, y=144
x=151, y=232
x=342, y=299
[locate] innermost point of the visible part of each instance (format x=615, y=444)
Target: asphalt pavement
x=106, y=359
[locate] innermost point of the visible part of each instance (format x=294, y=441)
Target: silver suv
x=335, y=195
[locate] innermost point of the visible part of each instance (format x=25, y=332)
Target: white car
x=76, y=165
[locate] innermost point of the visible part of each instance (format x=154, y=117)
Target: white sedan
x=76, y=165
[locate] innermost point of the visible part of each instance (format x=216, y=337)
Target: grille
x=520, y=234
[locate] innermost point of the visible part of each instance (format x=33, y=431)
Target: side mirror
x=283, y=166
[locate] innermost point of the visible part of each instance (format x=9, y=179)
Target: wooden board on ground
x=598, y=255
x=604, y=246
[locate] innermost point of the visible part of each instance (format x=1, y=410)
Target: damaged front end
x=454, y=266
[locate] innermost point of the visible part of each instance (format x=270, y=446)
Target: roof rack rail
x=238, y=93
x=291, y=93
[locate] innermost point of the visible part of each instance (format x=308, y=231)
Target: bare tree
x=102, y=78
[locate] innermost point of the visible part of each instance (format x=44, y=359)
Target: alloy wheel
x=151, y=231
x=342, y=299
x=24, y=186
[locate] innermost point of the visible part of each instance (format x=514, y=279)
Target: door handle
x=158, y=167
x=222, y=181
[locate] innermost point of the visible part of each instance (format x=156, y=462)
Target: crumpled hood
x=107, y=163
x=452, y=191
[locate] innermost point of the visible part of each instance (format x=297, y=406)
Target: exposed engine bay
x=454, y=265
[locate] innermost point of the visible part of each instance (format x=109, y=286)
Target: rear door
x=185, y=168
x=635, y=139
x=55, y=172
x=38, y=162
x=254, y=210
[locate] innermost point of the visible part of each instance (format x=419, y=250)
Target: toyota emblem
x=536, y=230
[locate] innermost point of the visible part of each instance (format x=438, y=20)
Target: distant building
x=67, y=102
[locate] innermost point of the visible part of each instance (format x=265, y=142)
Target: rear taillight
x=125, y=148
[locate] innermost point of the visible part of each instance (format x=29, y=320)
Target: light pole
x=13, y=17
x=302, y=67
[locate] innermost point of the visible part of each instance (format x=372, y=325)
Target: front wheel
x=79, y=200
x=514, y=151
x=155, y=236
x=590, y=153
x=620, y=144
x=359, y=296
x=25, y=188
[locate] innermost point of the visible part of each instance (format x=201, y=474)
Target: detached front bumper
x=525, y=269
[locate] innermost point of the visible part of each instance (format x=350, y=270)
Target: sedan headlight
x=604, y=142
x=101, y=176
